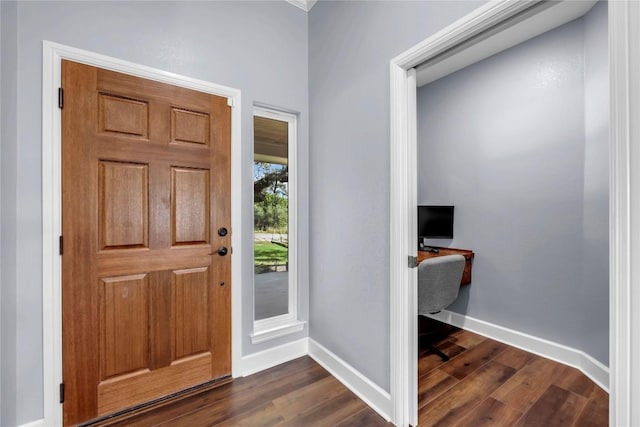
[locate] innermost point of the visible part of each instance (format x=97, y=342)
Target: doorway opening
x=477, y=29
x=519, y=144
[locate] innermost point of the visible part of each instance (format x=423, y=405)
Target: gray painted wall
x=8, y=212
x=595, y=283
x=257, y=47
x=519, y=144
x=350, y=46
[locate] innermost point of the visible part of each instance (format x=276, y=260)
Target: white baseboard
x=38, y=423
x=378, y=399
x=542, y=347
x=271, y=357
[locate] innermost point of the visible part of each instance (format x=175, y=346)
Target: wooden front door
x=145, y=200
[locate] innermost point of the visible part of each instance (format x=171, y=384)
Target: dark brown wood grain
x=489, y=413
x=540, y=392
x=467, y=362
x=466, y=395
x=498, y=389
x=596, y=411
x=556, y=407
x=433, y=385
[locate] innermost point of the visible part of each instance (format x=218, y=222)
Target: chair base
x=434, y=329
x=434, y=350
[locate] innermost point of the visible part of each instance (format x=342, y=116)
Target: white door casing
x=53, y=54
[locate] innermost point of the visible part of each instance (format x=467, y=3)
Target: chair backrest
x=439, y=282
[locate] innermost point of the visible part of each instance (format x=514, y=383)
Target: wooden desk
x=468, y=258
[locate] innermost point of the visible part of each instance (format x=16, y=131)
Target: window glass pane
x=271, y=218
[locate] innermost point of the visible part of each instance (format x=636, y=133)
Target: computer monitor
x=435, y=222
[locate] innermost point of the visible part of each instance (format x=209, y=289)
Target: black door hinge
x=60, y=98
x=61, y=392
x=61, y=245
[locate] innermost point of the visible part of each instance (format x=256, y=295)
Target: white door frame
x=52, y=57
x=624, y=203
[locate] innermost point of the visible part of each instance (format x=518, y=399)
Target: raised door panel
x=190, y=210
x=189, y=126
x=192, y=308
x=124, y=196
x=161, y=318
x=124, y=325
x=125, y=116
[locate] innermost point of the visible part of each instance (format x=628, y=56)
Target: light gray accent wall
x=504, y=141
x=8, y=212
x=350, y=46
x=258, y=47
x=595, y=283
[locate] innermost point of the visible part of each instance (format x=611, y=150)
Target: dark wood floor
x=297, y=393
x=486, y=383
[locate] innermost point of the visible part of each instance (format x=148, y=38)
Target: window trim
x=288, y=323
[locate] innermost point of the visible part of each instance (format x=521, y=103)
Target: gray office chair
x=438, y=285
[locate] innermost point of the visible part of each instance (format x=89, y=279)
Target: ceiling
x=270, y=140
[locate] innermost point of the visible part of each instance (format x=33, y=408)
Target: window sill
x=278, y=331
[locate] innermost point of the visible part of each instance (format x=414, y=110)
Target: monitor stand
x=423, y=247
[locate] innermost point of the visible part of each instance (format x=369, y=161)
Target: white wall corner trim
x=624, y=212
x=274, y=356
x=540, y=346
x=374, y=396
x=52, y=56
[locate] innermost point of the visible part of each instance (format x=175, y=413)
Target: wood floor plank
x=238, y=386
x=470, y=360
x=464, y=396
x=366, y=417
x=573, y=380
x=514, y=357
x=264, y=416
x=240, y=403
x=297, y=402
x=596, y=411
x=467, y=339
x=556, y=407
x=490, y=413
x=429, y=361
x=433, y=385
x=345, y=405
x=527, y=385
